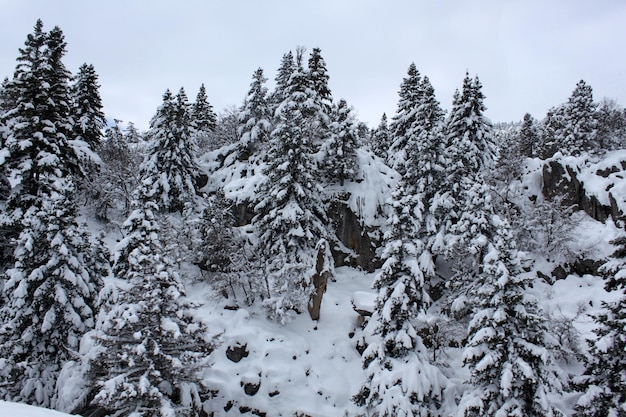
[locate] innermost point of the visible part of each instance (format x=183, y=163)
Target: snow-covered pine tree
x=50, y=297
x=222, y=254
x=381, y=138
x=400, y=380
x=511, y=369
x=150, y=346
x=579, y=133
x=604, y=380
x=426, y=161
x=318, y=79
x=202, y=118
x=291, y=216
x=410, y=98
x=170, y=169
x=89, y=120
x=466, y=194
x=255, y=118
x=528, y=137
x=38, y=144
x=283, y=75
x=132, y=134
x=339, y=151
x=552, y=132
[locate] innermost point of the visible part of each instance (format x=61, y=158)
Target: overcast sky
x=528, y=54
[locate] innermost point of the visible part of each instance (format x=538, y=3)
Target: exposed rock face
x=354, y=237
x=320, y=279
x=563, y=181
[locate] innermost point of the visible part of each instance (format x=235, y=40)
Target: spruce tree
x=254, y=118
x=203, y=118
x=39, y=125
x=381, y=139
x=400, y=380
x=468, y=153
x=151, y=347
x=552, y=132
x=169, y=170
x=511, y=369
x=283, y=75
x=528, y=137
x=604, y=380
x=318, y=79
x=340, y=160
x=290, y=216
x=89, y=120
x=50, y=297
x=410, y=98
x=579, y=121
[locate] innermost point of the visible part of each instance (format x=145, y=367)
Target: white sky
x=528, y=54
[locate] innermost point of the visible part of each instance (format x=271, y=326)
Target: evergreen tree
x=604, y=380
x=222, y=253
x=87, y=107
x=285, y=71
x=170, y=170
x=50, y=297
x=381, y=139
x=339, y=151
x=203, y=119
x=410, y=99
x=552, y=132
x=400, y=381
x=511, y=369
x=468, y=132
x=151, y=347
x=611, y=127
x=254, y=118
x=580, y=122
x=318, y=79
x=468, y=153
x=38, y=146
x=290, y=214
x=528, y=137
x=132, y=134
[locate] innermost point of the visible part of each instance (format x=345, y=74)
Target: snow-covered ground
x=304, y=366
x=8, y=409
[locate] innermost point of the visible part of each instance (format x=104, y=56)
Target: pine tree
x=285, y=71
x=202, y=117
x=318, y=79
x=151, y=347
x=51, y=296
x=38, y=144
x=528, y=137
x=400, y=380
x=254, y=118
x=468, y=153
x=604, y=380
x=290, y=214
x=511, y=369
x=87, y=107
x=340, y=150
x=132, y=134
x=552, y=132
x=170, y=170
x=580, y=122
x=410, y=99
x=381, y=139
x=222, y=253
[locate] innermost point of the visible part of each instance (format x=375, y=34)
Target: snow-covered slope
x=8, y=409
x=304, y=367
